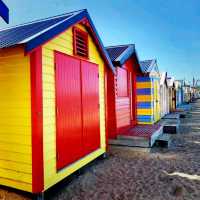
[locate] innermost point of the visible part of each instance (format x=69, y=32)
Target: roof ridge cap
x=43, y=31
x=121, y=45
x=43, y=19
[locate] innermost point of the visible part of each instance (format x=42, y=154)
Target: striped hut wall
x=145, y=114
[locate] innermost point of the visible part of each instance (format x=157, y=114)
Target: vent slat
x=81, y=48
x=80, y=39
x=81, y=54
x=82, y=45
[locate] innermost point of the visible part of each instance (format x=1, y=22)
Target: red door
x=68, y=101
x=77, y=111
x=90, y=98
x=123, y=100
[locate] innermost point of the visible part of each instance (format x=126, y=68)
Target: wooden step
x=155, y=135
x=164, y=140
x=170, y=126
x=133, y=142
x=171, y=129
x=172, y=116
x=127, y=148
x=137, y=141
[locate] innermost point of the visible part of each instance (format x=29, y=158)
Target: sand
x=162, y=174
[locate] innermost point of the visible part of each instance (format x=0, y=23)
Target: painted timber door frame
x=156, y=100
x=173, y=98
x=77, y=109
x=130, y=89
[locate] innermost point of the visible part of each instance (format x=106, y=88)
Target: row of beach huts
x=64, y=97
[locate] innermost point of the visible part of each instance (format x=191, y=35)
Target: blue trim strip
x=41, y=39
x=145, y=118
x=145, y=105
x=4, y=11
x=144, y=91
x=143, y=79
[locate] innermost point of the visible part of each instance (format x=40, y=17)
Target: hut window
x=80, y=42
x=122, y=82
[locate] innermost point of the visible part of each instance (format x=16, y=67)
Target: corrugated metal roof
x=146, y=65
x=38, y=32
x=115, y=51
x=119, y=54
x=21, y=33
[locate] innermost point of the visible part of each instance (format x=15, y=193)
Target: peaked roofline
x=41, y=20
x=151, y=67
x=119, y=45
x=165, y=78
x=44, y=37
x=125, y=55
x=40, y=38
x=171, y=80
x=153, y=61
x=44, y=31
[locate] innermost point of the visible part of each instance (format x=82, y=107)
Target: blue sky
x=168, y=30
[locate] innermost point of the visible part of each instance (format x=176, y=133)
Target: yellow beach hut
x=52, y=88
